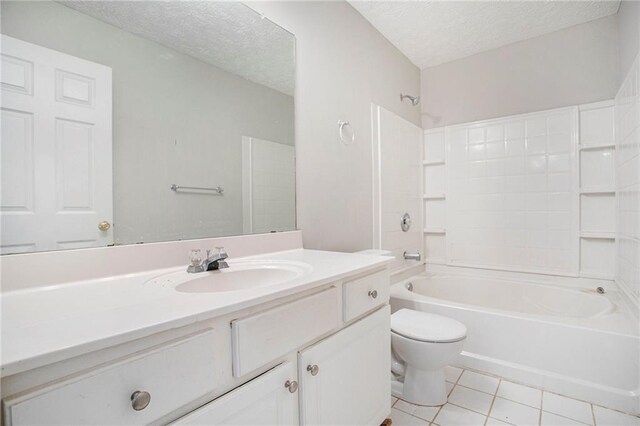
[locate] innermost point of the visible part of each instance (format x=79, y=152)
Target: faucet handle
x=195, y=257
x=222, y=251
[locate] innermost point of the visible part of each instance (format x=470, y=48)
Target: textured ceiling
x=228, y=35
x=434, y=32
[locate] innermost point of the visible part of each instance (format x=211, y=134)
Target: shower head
x=415, y=100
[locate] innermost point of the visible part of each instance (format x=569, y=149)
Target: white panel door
x=351, y=385
x=263, y=401
x=56, y=150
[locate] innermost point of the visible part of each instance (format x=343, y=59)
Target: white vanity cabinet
x=270, y=399
x=318, y=356
x=344, y=379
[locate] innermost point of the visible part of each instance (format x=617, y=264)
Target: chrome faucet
x=412, y=256
x=215, y=260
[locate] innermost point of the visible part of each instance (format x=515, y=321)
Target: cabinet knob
x=373, y=293
x=313, y=369
x=292, y=385
x=140, y=400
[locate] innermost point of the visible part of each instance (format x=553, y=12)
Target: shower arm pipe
x=415, y=100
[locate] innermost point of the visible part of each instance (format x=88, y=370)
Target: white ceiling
x=228, y=35
x=432, y=32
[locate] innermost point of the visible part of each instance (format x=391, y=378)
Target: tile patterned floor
x=481, y=400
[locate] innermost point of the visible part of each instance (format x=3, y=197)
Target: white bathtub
x=568, y=340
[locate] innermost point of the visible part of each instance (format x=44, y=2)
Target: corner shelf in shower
x=598, y=235
x=597, y=147
x=435, y=231
x=597, y=191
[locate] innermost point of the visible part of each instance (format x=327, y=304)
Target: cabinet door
x=351, y=385
x=263, y=401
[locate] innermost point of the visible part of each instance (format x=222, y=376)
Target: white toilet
x=422, y=345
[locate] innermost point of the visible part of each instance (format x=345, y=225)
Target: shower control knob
x=405, y=222
x=373, y=293
x=140, y=400
x=292, y=385
x=313, y=369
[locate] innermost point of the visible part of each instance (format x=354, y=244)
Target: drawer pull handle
x=292, y=385
x=140, y=400
x=313, y=369
x=373, y=293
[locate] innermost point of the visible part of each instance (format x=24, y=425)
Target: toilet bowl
x=422, y=345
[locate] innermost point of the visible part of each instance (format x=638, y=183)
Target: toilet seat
x=426, y=327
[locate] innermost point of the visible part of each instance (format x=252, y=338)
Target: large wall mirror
x=142, y=121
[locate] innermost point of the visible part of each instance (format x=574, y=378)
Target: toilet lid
x=427, y=327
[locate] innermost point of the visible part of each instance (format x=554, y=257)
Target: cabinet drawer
x=364, y=294
x=173, y=375
x=262, y=338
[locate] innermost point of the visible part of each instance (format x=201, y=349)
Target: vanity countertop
x=44, y=325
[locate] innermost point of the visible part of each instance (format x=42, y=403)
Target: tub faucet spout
x=412, y=256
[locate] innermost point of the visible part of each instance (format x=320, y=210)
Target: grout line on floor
x=541, y=400
x=440, y=409
x=569, y=418
x=477, y=390
x=467, y=408
x=593, y=414
x=493, y=400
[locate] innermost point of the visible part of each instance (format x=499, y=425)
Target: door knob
x=104, y=226
x=313, y=369
x=292, y=385
x=140, y=400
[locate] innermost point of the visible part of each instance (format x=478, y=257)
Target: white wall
x=569, y=67
x=175, y=120
x=343, y=64
x=627, y=116
x=628, y=34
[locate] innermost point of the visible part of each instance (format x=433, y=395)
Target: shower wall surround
x=627, y=113
x=397, y=187
x=527, y=193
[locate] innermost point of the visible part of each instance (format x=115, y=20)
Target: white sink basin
x=240, y=275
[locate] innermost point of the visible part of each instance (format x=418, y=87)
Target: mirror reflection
x=132, y=122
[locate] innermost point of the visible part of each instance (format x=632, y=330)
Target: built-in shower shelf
x=435, y=231
x=598, y=235
x=433, y=163
x=597, y=191
x=597, y=147
x=434, y=196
